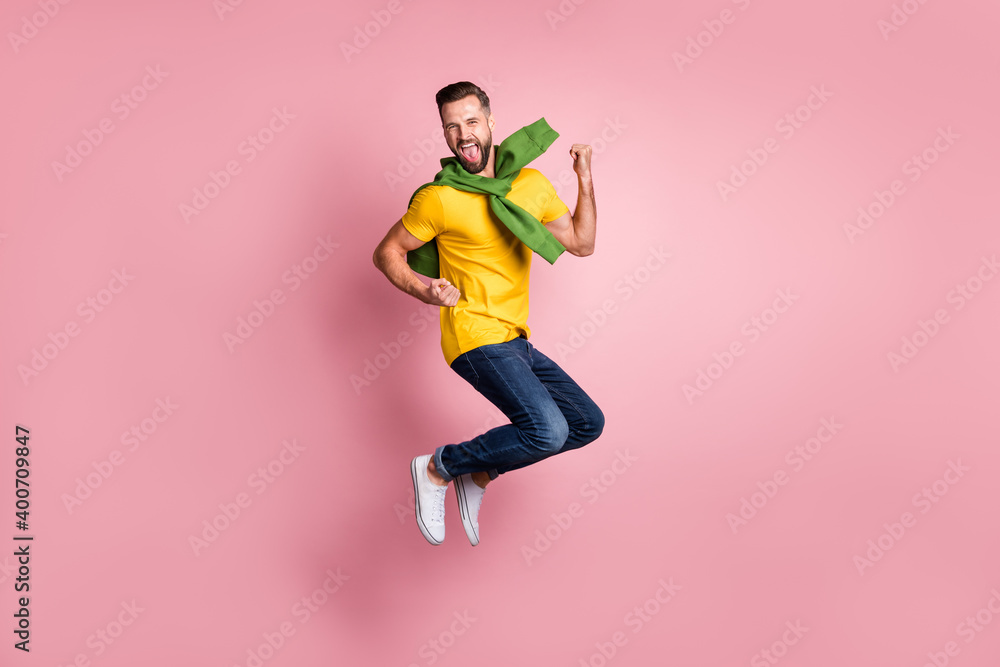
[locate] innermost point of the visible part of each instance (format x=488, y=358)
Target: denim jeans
x=548, y=411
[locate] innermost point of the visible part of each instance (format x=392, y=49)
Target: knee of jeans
x=552, y=436
x=549, y=436
x=595, y=423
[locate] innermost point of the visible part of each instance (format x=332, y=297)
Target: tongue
x=471, y=153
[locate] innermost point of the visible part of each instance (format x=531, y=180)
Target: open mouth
x=470, y=151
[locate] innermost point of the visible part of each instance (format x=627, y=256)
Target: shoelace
x=437, y=507
x=482, y=494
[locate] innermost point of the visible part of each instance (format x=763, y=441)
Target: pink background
x=539, y=590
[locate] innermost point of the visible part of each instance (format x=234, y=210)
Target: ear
x=491, y=122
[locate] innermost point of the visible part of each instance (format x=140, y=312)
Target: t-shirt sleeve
x=554, y=207
x=425, y=216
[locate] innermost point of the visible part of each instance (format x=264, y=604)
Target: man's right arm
x=390, y=258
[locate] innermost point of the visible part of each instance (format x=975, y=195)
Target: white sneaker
x=470, y=497
x=428, y=501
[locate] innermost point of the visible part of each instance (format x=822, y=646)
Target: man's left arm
x=578, y=232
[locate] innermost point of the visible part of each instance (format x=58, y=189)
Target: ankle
x=481, y=479
x=433, y=475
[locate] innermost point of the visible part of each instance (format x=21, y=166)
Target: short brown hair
x=455, y=91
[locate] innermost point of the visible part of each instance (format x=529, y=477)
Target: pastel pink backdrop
x=647, y=561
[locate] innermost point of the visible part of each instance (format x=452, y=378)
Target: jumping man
x=473, y=227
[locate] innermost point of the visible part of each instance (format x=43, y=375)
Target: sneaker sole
x=416, y=505
x=463, y=509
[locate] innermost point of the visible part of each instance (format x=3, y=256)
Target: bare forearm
x=394, y=266
x=585, y=216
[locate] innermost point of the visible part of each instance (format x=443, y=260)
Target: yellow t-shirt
x=482, y=258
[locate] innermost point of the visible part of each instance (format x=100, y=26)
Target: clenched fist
x=581, y=158
x=442, y=293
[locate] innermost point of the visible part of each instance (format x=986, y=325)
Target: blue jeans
x=548, y=411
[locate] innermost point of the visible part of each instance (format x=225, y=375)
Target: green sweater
x=515, y=152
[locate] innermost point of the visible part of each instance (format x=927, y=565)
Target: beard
x=484, y=155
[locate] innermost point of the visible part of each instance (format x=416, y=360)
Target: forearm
x=393, y=265
x=585, y=216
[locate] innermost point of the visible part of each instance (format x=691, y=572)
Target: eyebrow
x=465, y=119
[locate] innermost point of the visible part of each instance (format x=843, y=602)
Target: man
x=483, y=291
